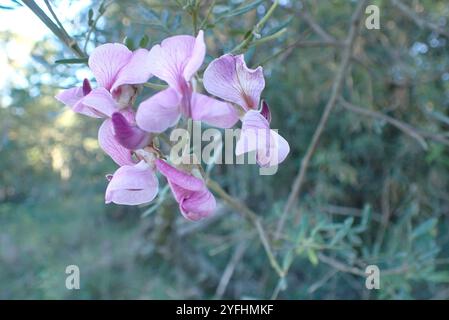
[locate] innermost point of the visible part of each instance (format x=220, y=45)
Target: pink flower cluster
x=126, y=135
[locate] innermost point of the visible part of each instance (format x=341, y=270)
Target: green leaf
x=6, y=7
x=242, y=10
x=366, y=217
x=155, y=86
x=129, y=43
x=312, y=256
x=176, y=22
x=164, y=17
x=288, y=259
x=440, y=277
x=143, y=43
x=102, y=8
x=343, y=231
x=424, y=228
x=90, y=16
x=72, y=61
x=280, y=26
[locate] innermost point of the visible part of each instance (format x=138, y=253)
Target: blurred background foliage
x=372, y=194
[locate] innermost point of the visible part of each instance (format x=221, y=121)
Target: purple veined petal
x=196, y=58
x=100, y=102
x=178, y=193
x=254, y=120
x=271, y=147
x=255, y=133
x=230, y=79
x=265, y=111
x=178, y=177
x=199, y=205
x=195, y=200
x=128, y=135
x=132, y=185
x=111, y=146
x=213, y=112
x=73, y=98
x=276, y=152
x=247, y=142
x=176, y=59
x=106, y=61
x=136, y=71
x=70, y=97
x=159, y=112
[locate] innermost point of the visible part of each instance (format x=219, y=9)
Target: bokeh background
x=373, y=193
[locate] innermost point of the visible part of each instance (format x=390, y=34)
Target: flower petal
x=178, y=177
x=276, y=152
x=129, y=136
x=132, y=185
x=265, y=111
x=213, y=111
x=177, y=58
x=199, y=205
x=100, y=102
x=106, y=61
x=195, y=200
x=271, y=147
x=159, y=112
x=111, y=146
x=70, y=97
x=196, y=58
x=255, y=130
x=230, y=79
x=73, y=98
x=136, y=71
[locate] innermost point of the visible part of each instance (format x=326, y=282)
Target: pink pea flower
x=230, y=79
x=132, y=184
x=194, y=199
x=175, y=61
x=127, y=133
x=119, y=135
x=117, y=70
x=256, y=135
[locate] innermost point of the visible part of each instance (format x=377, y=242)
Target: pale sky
x=27, y=29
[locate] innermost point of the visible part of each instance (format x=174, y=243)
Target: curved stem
x=252, y=217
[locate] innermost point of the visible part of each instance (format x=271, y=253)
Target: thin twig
x=252, y=217
x=404, y=127
x=189, y=229
x=336, y=88
x=229, y=270
x=340, y=266
x=314, y=287
x=268, y=38
x=47, y=3
x=318, y=43
x=256, y=29
x=345, y=211
x=57, y=31
x=209, y=12
x=305, y=15
x=302, y=44
x=101, y=11
x=416, y=133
